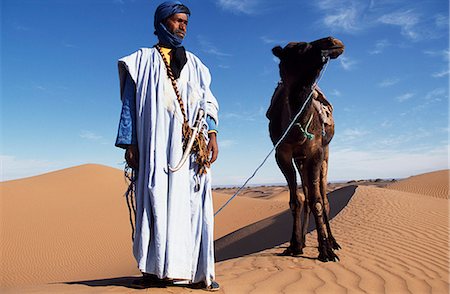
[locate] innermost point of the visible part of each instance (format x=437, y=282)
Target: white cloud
x=225, y=143
x=404, y=97
x=347, y=63
x=354, y=16
x=12, y=167
x=441, y=74
x=268, y=40
x=353, y=133
x=20, y=27
x=388, y=82
x=386, y=124
x=343, y=18
x=441, y=21
x=444, y=54
x=335, y=93
x=68, y=45
x=240, y=6
x=406, y=20
x=379, y=47
x=90, y=135
x=244, y=115
x=343, y=15
x=438, y=94
x=209, y=48
x=351, y=163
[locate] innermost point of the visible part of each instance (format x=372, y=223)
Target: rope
x=279, y=141
x=130, y=175
x=200, y=147
x=174, y=84
x=305, y=132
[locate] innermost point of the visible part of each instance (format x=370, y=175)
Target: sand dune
x=392, y=242
x=64, y=226
x=69, y=232
x=435, y=184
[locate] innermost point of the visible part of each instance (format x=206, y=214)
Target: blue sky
x=60, y=93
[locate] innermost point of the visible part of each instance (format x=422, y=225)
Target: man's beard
x=179, y=33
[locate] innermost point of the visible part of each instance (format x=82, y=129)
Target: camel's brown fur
x=300, y=65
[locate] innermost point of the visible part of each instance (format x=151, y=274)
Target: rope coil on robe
x=279, y=141
x=199, y=148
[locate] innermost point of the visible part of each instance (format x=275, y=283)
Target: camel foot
x=334, y=244
x=328, y=257
x=292, y=252
x=326, y=253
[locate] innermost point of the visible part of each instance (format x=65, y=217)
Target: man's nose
x=182, y=26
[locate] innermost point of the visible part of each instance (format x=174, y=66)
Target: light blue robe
x=174, y=218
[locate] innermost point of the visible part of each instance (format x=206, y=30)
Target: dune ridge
x=434, y=184
x=56, y=239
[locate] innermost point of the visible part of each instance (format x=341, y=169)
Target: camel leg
x=306, y=209
x=296, y=200
x=326, y=204
x=313, y=168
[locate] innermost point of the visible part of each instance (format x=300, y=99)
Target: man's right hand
x=132, y=156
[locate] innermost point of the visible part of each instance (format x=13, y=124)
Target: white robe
x=174, y=217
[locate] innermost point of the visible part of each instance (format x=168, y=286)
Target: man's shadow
x=262, y=235
x=128, y=282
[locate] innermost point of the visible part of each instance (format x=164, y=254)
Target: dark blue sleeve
x=212, y=126
x=126, y=135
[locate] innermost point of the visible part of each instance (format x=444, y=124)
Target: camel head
x=301, y=62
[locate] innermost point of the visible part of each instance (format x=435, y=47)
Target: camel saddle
x=323, y=106
x=320, y=103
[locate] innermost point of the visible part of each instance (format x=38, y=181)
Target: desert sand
x=68, y=232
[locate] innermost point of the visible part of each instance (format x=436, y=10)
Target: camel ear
x=277, y=51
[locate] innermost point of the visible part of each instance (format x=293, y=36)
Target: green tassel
x=305, y=132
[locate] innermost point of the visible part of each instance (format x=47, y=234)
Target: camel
x=307, y=143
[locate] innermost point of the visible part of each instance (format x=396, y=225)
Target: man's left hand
x=213, y=148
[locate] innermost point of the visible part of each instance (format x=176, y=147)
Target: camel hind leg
x=306, y=208
x=326, y=204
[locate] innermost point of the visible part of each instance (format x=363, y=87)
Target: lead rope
x=200, y=147
x=130, y=175
x=280, y=140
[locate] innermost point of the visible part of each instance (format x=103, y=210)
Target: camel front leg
x=313, y=169
x=296, y=201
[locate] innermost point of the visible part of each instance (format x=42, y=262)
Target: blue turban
x=165, y=10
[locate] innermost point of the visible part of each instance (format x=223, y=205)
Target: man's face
x=177, y=24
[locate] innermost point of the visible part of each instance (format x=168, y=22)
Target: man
x=163, y=90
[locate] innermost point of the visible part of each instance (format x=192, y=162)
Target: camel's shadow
x=272, y=231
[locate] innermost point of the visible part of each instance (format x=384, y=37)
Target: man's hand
x=132, y=156
x=213, y=148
